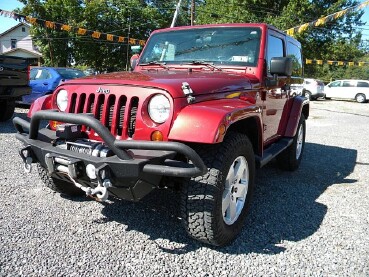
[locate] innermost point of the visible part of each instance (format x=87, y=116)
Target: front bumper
x=135, y=168
x=14, y=92
x=318, y=94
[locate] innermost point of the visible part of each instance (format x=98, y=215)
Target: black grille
x=132, y=117
x=107, y=107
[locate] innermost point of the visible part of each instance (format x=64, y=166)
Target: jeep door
x=276, y=101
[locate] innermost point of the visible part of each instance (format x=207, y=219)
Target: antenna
x=176, y=14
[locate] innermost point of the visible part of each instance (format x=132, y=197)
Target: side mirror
x=133, y=61
x=281, y=66
x=136, y=49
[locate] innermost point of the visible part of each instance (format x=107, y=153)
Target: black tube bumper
x=131, y=159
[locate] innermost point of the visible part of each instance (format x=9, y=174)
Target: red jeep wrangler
x=203, y=107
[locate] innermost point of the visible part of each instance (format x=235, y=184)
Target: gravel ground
x=313, y=222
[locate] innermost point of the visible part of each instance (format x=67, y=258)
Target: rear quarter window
x=363, y=84
x=294, y=51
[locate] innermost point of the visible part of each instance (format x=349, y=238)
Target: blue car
x=43, y=80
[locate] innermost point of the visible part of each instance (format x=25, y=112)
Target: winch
x=85, y=146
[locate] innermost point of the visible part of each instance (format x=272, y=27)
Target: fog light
x=91, y=171
x=157, y=136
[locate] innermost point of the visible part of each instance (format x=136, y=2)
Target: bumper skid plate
x=131, y=163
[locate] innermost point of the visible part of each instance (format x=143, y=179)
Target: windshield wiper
x=162, y=64
x=207, y=64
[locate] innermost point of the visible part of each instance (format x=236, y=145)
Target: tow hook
x=100, y=193
x=26, y=155
x=70, y=167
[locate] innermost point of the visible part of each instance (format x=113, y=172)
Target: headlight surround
x=159, y=108
x=62, y=100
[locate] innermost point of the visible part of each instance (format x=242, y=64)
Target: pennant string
x=323, y=20
x=64, y=27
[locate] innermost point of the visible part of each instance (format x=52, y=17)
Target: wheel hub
x=300, y=142
x=235, y=191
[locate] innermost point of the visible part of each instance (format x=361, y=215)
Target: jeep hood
x=201, y=82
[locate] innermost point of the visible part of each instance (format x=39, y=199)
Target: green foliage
x=337, y=40
x=127, y=18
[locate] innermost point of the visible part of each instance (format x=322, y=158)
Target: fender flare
x=300, y=106
x=208, y=123
x=41, y=103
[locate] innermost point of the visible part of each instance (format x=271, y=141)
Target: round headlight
x=62, y=100
x=159, y=108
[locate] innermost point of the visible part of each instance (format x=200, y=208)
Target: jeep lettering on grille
x=103, y=90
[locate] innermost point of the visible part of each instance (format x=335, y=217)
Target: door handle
x=45, y=84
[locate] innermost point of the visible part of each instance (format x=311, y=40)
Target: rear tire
x=7, y=108
x=57, y=185
x=360, y=98
x=290, y=158
x=214, y=206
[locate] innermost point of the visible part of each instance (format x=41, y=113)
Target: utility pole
x=129, y=33
x=192, y=12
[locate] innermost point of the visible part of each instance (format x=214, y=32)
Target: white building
x=17, y=42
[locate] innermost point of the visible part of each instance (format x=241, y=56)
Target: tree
x=127, y=18
x=336, y=40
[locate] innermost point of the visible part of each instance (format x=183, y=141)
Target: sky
x=6, y=22
x=9, y=5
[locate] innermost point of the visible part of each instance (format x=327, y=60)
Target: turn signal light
x=222, y=129
x=157, y=136
x=54, y=124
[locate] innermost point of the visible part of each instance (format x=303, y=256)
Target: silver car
x=312, y=89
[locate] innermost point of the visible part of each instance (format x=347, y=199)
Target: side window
x=348, y=84
x=33, y=74
x=40, y=74
x=45, y=74
x=295, y=53
x=275, y=49
x=362, y=84
x=335, y=84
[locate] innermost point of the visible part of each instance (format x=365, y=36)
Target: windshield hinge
x=187, y=90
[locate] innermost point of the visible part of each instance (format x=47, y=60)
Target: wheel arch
x=41, y=103
x=210, y=121
x=252, y=128
x=299, y=107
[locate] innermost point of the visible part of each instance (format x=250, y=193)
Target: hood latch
x=187, y=90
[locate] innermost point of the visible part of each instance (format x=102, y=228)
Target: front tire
x=307, y=94
x=290, y=158
x=60, y=186
x=214, y=206
x=7, y=108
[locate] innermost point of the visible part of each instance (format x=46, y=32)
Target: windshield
x=69, y=73
x=221, y=45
